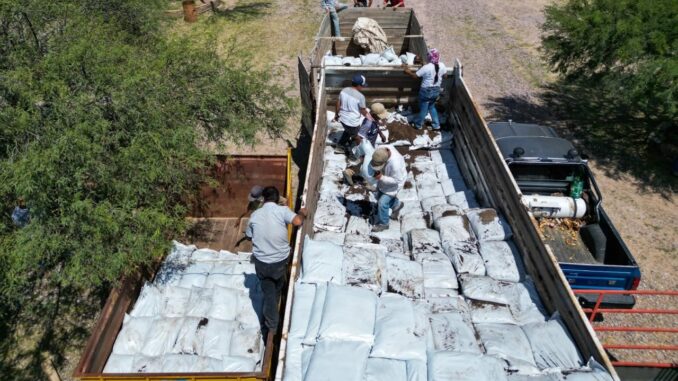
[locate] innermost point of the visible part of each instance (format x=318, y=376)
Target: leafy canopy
x=626, y=48
x=101, y=122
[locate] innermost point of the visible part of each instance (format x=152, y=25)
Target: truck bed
x=567, y=245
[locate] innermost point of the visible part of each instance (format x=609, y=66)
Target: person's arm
x=248, y=231
x=366, y=113
x=369, y=3
x=383, y=137
x=409, y=72
x=336, y=114
x=401, y=4
x=298, y=220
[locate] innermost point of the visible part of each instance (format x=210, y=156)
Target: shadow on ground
x=245, y=11
x=51, y=332
x=602, y=128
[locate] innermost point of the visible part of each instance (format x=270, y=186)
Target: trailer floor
x=567, y=247
x=220, y=233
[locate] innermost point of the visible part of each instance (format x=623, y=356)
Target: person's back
x=428, y=75
x=268, y=228
x=351, y=102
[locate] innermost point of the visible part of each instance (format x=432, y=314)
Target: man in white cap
x=390, y=172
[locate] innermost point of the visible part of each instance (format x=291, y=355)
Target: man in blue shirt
x=332, y=7
x=271, y=248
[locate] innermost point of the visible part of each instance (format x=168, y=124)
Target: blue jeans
x=335, y=18
x=385, y=203
x=427, y=103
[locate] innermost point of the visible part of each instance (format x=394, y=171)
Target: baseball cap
x=379, y=158
x=359, y=80
x=255, y=193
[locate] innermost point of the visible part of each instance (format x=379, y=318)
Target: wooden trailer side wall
x=488, y=175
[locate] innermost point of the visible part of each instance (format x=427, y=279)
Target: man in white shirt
x=271, y=248
x=390, y=172
x=351, y=106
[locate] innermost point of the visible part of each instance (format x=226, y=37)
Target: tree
x=627, y=49
x=102, y=119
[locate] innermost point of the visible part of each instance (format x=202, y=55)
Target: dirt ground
x=498, y=45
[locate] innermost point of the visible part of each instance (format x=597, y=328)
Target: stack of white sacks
x=440, y=295
x=200, y=314
x=387, y=58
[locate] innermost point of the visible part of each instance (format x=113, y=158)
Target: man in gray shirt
x=271, y=247
x=351, y=106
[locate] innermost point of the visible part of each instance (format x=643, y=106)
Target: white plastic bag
x=349, y=314
x=119, y=364
x=178, y=363
x=424, y=241
x=487, y=289
x=552, y=345
x=237, y=364
x=364, y=266
x=447, y=366
x=224, y=303
x=370, y=59
x=175, y=301
x=452, y=332
x=133, y=334
x=505, y=341
x=490, y=313
x=297, y=358
x=429, y=188
x=316, y=315
x=447, y=304
x=189, y=339
x=465, y=257
x=526, y=306
x=453, y=228
x=439, y=274
x=146, y=364
x=246, y=343
x=180, y=253
x=379, y=369
x=161, y=336
x=357, y=226
x=411, y=221
x=332, y=61
x=199, y=302
x=428, y=203
x=330, y=214
x=443, y=210
x=405, y=277
x=462, y=199
x=394, y=330
x=500, y=260
x=149, y=302
x=488, y=226
x=417, y=371
x=204, y=364
x=338, y=361
x=335, y=238
x=389, y=54
x=217, y=337
x=304, y=293
x=593, y=372
x=204, y=255
x=250, y=308
x=321, y=262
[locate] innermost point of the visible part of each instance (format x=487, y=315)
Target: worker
x=267, y=228
x=256, y=200
x=390, y=172
x=369, y=129
x=362, y=150
x=394, y=3
x=331, y=7
x=20, y=215
x=351, y=105
x=431, y=75
x=362, y=3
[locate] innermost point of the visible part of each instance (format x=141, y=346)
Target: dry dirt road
x=498, y=45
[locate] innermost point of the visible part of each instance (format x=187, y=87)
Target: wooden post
x=190, y=13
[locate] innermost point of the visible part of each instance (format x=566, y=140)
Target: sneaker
x=415, y=126
x=348, y=176
x=379, y=228
x=435, y=128
x=396, y=211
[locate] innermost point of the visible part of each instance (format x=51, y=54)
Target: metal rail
x=597, y=310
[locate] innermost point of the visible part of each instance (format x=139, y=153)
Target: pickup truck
x=559, y=189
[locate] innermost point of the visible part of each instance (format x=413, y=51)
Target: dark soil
x=487, y=216
x=375, y=240
x=401, y=131
x=413, y=155
x=357, y=177
x=408, y=185
x=451, y=213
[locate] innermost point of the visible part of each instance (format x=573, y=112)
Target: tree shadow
x=601, y=126
x=245, y=11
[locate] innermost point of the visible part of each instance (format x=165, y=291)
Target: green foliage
x=102, y=120
x=627, y=49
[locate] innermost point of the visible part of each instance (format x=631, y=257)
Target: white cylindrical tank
x=555, y=206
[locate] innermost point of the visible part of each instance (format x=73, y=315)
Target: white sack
x=417, y=371
x=463, y=199
x=428, y=203
x=119, y=364
x=465, y=257
x=250, y=308
x=379, y=369
x=296, y=356
x=178, y=363
x=448, y=188
x=161, y=336
x=364, y=266
x=233, y=364
x=175, y=300
x=351, y=61
x=552, y=345
x=429, y=188
x=205, y=255
x=447, y=304
x=146, y=364
x=443, y=210
x=334, y=237
x=330, y=214
x=433, y=292
x=224, y=303
x=487, y=289
x=217, y=337
x=246, y=343
x=316, y=315
x=425, y=241
x=234, y=281
x=505, y=341
x=448, y=366
x=338, y=361
x=391, y=238
x=431, y=256
x=408, y=192
x=199, y=302
x=547, y=375
x=500, y=260
x=149, y=302
x=595, y=372
x=180, y=253
x=332, y=61
x=370, y=59
x=357, y=230
x=189, y=280
x=389, y=54
x=349, y=314
x=405, y=277
x=490, y=313
x=453, y=332
x=439, y=274
x=304, y=293
x=204, y=364
x=411, y=221
x=526, y=306
x=454, y=228
x=189, y=339
x=394, y=330
x=133, y=334
x=321, y=262
x=488, y=226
